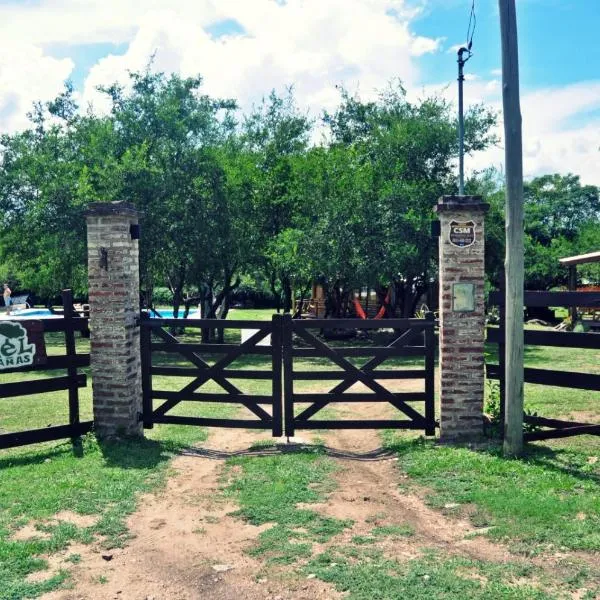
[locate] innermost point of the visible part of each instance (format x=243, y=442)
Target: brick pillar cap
x=461, y=203
x=125, y=209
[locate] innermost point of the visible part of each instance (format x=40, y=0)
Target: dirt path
x=187, y=547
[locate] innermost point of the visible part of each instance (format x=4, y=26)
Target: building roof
x=578, y=260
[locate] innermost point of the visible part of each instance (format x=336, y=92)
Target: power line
x=471, y=27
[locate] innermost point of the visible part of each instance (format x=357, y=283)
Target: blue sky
x=245, y=48
x=558, y=39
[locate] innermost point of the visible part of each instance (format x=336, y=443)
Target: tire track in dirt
x=368, y=492
x=179, y=534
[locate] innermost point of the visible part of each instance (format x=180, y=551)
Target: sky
x=245, y=48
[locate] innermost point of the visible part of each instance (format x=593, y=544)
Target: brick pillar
x=114, y=297
x=462, y=321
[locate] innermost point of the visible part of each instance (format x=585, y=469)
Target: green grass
x=393, y=531
x=278, y=490
x=268, y=490
x=363, y=574
x=549, y=500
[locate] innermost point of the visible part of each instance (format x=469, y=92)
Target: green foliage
x=226, y=196
x=562, y=218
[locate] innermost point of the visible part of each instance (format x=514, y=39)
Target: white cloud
x=552, y=143
x=311, y=44
x=455, y=48
x=561, y=126
x=26, y=74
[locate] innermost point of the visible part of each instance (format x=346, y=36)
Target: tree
x=276, y=134
x=42, y=237
x=409, y=149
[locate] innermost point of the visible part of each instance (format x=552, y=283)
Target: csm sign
x=462, y=234
x=16, y=350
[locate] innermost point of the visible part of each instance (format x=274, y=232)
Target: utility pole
x=514, y=268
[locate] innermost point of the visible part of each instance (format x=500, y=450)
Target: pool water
x=32, y=312
x=168, y=314
x=45, y=313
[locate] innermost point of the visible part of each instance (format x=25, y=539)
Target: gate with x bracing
x=277, y=370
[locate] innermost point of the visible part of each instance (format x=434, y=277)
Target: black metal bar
x=562, y=339
x=430, y=376
x=276, y=361
x=359, y=397
x=235, y=352
x=208, y=323
x=359, y=324
x=57, y=325
x=333, y=375
x=362, y=424
x=214, y=372
x=37, y=386
x=566, y=379
x=209, y=422
x=197, y=360
x=312, y=410
x=378, y=351
x=48, y=434
x=227, y=373
x=180, y=348
x=373, y=363
x=209, y=397
x=364, y=378
x=545, y=299
x=288, y=369
x=557, y=423
x=146, y=358
x=553, y=434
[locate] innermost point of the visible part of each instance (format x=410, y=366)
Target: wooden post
x=514, y=267
x=573, y=288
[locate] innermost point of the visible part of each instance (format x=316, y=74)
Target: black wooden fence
x=555, y=428
x=70, y=362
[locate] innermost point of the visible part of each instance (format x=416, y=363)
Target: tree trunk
x=287, y=294
x=276, y=294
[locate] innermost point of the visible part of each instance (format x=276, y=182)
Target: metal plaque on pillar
x=462, y=234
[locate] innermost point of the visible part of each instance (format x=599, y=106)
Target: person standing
x=6, y=295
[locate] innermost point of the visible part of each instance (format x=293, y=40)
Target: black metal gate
x=291, y=351
x=197, y=358
x=402, y=338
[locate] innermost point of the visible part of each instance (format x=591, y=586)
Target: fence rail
x=419, y=333
x=71, y=361
x=555, y=428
